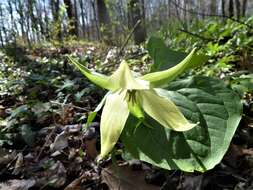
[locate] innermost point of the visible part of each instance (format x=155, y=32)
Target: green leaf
x=163, y=57
x=201, y=99
x=163, y=77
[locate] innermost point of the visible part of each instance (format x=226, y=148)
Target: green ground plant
x=162, y=136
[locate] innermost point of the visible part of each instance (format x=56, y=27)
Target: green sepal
x=97, y=78
x=161, y=78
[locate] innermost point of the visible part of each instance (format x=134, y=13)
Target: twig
x=210, y=15
x=45, y=144
x=196, y=35
x=128, y=37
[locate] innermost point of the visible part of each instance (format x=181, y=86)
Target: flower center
x=131, y=96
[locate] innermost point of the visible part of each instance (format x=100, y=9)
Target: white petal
x=113, y=119
x=123, y=78
x=163, y=111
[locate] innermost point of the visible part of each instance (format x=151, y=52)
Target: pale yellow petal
x=113, y=119
x=163, y=111
x=123, y=78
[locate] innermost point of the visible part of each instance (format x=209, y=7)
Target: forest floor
x=44, y=103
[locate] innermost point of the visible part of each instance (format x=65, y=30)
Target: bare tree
x=73, y=26
x=135, y=15
x=231, y=8
x=104, y=21
x=244, y=7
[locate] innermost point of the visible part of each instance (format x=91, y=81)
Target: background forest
x=49, y=135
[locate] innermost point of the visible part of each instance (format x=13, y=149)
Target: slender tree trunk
x=83, y=19
x=134, y=8
x=231, y=8
x=213, y=7
x=95, y=21
x=71, y=16
x=2, y=26
x=20, y=10
x=76, y=20
x=46, y=21
x=238, y=9
x=244, y=7
x=55, y=6
x=223, y=10
x=104, y=21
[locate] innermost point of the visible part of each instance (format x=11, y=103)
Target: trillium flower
x=136, y=95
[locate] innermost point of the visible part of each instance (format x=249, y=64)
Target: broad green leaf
x=161, y=78
x=164, y=111
x=97, y=78
x=163, y=56
x=123, y=78
x=201, y=99
x=113, y=119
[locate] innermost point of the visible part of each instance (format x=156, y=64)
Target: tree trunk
x=213, y=7
x=55, y=5
x=73, y=30
x=83, y=19
x=134, y=9
x=238, y=9
x=244, y=7
x=20, y=10
x=223, y=10
x=231, y=8
x=104, y=21
x=2, y=26
x=76, y=23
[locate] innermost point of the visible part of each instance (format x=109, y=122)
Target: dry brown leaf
x=17, y=184
x=124, y=178
x=90, y=146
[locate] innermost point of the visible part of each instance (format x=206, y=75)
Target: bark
x=231, y=8
x=2, y=26
x=73, y=30
x=134, y=9
x=104, y=21
x=238, y=9
x=244, y=7
x=55, y=6
x=223, y=10
x=76, y=23
x=83, y=18
x=20, y=10
x=213, y=7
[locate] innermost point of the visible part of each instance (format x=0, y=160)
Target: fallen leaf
x=124, y=178
x=60, y=142
x=16, y=184
x=55, y=176
x=91, y=149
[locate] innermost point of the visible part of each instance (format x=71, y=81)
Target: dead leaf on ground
x=55, y=176
x=60, y=142
x=16, y=184
x=91, y=149
x=6, y=156
x=124, y=178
